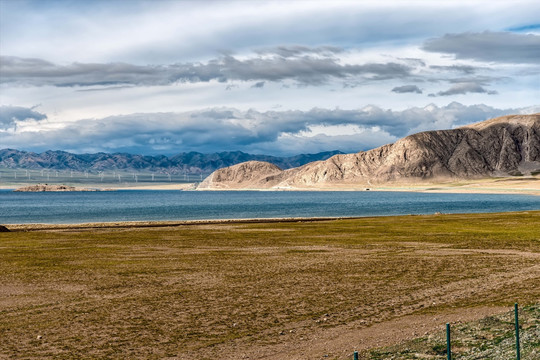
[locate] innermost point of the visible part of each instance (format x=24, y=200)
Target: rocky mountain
x=504, y=146
x=191, y=162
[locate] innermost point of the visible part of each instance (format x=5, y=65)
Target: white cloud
x=144, y=32
x=488, y=46
x=407, y=89
x=465, y=88
x=101, y=60
x=228, y=129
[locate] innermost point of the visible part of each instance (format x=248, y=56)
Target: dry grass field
x=276, y=290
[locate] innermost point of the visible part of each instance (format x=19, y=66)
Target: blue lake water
x=133, y=205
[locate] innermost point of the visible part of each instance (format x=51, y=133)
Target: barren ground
x=527, y=185
x=262, y=290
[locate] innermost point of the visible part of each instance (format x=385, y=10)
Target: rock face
x=4, y=229
x=250, y=172
x=505, y=146
x=45, y=187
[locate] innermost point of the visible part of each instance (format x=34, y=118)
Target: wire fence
x=512, y=335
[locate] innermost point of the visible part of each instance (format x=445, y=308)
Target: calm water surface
x=133, y=205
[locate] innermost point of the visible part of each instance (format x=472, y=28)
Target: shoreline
x=178, y=223
x=419, y=189
x=506, y=185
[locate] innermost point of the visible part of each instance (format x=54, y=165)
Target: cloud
x=107, y=88
x=38, y=72
x=11, y=115
x=480, y=80
x=297, y=50
x=305, y=70
x=503, y=47
x=258, y=85
x=527, y=27
x=416, y=62
x=294, y=144
x=225, y=129
x=407, y=89
x=103, y=31
x=466, y=69
x=298, y=65
x=464, y=88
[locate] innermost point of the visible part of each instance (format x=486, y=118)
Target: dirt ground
x=526, y=185
x=399, y=321
x=261, y=290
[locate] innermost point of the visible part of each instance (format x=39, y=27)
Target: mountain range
x=188, y=162
x=504, y=146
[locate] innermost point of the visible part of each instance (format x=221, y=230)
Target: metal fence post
x=448, y=348
x=518, y=356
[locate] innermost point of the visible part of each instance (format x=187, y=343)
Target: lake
x=141, y=205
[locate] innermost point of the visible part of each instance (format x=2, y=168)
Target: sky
x=264, y=77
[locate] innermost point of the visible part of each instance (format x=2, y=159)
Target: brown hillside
x=504, y=146
x=249, y=172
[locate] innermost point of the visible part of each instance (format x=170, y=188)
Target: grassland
x=289, y=290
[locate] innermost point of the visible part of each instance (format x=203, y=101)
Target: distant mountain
x=504, y=146
x=191, y=162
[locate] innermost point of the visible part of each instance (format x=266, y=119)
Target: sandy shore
x=182, y=186
x=514, y=185
x=526, y=186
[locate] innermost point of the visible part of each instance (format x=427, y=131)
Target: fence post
x=448, y=348
x=355, y=355
x=518, y=355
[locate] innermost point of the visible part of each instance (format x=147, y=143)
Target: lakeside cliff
x=500, y=147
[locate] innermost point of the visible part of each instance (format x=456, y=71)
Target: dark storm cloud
x=221, y=129
x=297, y=65
x=9, y=115
x=502, y=47
x=464, y=88
x=407, y=89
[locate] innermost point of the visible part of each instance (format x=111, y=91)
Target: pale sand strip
x=513, y=185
